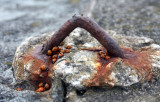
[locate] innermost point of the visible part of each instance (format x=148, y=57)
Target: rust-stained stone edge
x=19, y=65
x=140, y=55
x=138, y=61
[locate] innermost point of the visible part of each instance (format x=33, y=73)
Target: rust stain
x=139, y=61
x=102, y=77
x=36, y=60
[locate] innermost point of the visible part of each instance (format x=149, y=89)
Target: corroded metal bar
x=92, y=27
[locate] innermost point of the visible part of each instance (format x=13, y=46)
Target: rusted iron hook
x=92, y=27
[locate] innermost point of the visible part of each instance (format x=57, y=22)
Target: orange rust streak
x=103, y=73
x=140, y=61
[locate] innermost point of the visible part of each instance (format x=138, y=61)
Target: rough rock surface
x=55, y=94
x=84, y=63
x=84, y=70
x=22, y=19
x=129, y=17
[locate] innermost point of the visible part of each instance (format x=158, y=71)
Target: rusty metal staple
x=92, y=27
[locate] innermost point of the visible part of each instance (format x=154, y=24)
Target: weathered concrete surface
x=145, y=91
x=37, y=19
x=84, y=64
x=9, y=94
x=86, y=68
x=23, y=19
x=130, y=17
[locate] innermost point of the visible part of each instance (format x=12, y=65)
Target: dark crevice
x=80, y=92
x=64, y=85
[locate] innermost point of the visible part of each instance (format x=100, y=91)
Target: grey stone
x=83, y=66
x=133, y=17
x=21, y=20
x=55, y=94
